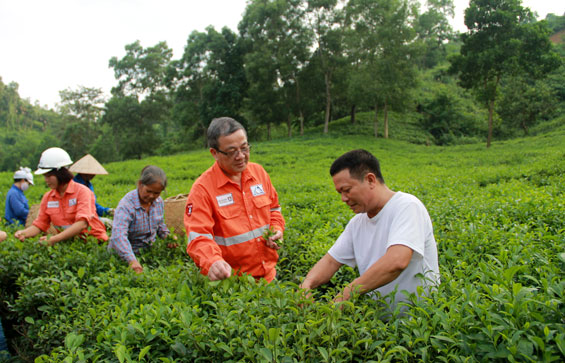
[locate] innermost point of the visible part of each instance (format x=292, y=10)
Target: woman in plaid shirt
x=139, y=217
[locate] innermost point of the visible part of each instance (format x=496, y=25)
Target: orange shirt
x=62, y=211
x=224, y=221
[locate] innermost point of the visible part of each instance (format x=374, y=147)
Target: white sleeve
x=408, y=228
x=342, y=249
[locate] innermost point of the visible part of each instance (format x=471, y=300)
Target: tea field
x=499, y=219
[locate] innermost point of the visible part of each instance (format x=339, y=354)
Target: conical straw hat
x=88, y=165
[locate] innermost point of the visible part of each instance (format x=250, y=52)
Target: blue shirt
x=134, y=228
x=100, y=210
x=17, y=207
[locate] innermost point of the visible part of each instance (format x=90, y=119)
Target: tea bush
x=498, y=218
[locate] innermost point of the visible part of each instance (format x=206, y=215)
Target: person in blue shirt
x=17, y=207
x=86, y=169
x=3, y=344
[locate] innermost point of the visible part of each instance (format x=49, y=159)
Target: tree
x=139, y=110
x=209, y=80
x=502, y=41
x=81, y=109
x=133, y=127
x=141, y=71
x=524, y=102
x=83, y=103
x=9, y=102
x=278, y=45
x=555, y=22
x=326, y=20
x=313, y=93
x=25, y=129
x=445, y=115
x=433, y=30
x=382, y=45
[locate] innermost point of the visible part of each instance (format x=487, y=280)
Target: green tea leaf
x=121, y=353
x=323, y=351
x=560, y=341
x=179, y=348
x=266, y=353
x=80, y=272
x=143, y=352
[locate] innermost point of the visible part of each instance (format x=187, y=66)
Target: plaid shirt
x=133, y=227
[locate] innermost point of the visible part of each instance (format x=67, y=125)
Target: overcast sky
x=50, y=45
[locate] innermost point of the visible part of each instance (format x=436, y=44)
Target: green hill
x=498, y=219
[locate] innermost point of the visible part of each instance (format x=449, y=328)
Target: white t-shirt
x=403, y=221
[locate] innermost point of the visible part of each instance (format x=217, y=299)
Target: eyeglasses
x=233, y=153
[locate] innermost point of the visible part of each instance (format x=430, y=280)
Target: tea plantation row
x=499, y=221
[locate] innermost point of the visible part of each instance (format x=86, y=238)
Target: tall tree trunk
x=490, y=113
x=353, y=109
x=385, y=110
x=301, y=122
x=491, y=100
x=301, y=114
x=327, y=77
x=376, y=120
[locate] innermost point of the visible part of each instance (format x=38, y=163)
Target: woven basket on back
x=32, y=215
x=174, y=213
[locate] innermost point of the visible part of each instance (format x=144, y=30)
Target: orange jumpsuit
x=224, y=221
x=62, y=211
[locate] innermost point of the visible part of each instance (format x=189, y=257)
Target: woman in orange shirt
x=69, y=206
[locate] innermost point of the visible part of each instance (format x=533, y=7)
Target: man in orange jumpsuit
x=229, y=208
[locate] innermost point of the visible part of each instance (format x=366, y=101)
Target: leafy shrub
x=498, y=219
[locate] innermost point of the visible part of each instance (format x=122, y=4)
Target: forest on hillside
x=295, y=65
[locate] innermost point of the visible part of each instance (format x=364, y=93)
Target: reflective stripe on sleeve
x=244, y=237
x=276, y=209
x=194, y=235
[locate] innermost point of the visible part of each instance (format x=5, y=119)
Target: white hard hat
x=24, y=173
x=53, y=158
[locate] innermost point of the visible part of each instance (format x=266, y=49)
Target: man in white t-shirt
x=390, y=239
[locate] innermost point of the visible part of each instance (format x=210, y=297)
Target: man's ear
x=214, y=153
x=371, y=179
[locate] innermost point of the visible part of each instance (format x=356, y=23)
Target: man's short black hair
x=359, y=162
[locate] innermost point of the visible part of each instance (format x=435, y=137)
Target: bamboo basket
x=32, y=215
x=174, y=213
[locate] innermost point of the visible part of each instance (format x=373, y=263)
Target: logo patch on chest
x=53, y=204
x=257, y=190
x=225, y=199
x=72, y=202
